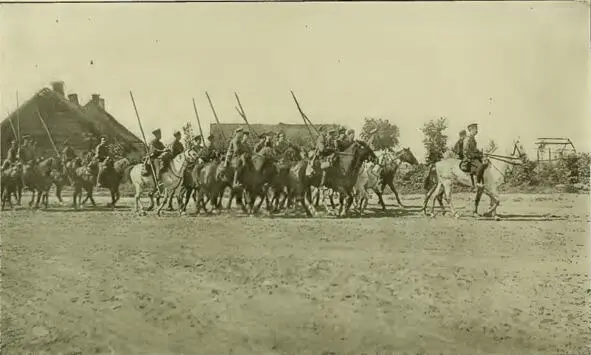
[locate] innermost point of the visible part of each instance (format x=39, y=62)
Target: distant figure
x=101, y=152
x=246, y=142
x=473, y=157
x=176, y=147
x=68, y=153
x=236, y=147
x=458, y=148
x=13, y=152
x=158, y=154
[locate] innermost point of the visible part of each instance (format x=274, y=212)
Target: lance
x=145, y=141
x=305, y=122
x=216, y=118
x=18, y=121
x=304, y=117
x=47, y=131
x=198, y=122
x=12, y=126
x=243, y=115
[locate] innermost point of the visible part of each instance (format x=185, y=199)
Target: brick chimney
x=102, y=103
x=74, y=99
x=58, y=86
x=96, y=99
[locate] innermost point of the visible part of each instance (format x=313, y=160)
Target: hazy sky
x=518, y=69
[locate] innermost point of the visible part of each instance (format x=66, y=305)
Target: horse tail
x=430, y=177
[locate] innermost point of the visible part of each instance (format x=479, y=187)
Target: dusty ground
x=108, y=282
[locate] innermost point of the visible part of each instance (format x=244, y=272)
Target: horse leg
x=477, y=202
x=33, y=191
x=58, y=193
x=151, y=206
x=170, y=208
x=139, y=208
x=447, y=187
x=198, y=199
x=163, y=203
x=391, y=185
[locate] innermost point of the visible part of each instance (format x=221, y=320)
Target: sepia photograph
x=295, y=178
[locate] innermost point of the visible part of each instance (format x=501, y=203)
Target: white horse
x=369, y=177
x=171, y=180
x=447, y=171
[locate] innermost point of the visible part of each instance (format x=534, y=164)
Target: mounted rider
x=207, y=153
x=458, y=148
x=341, y=139
x=101, y=153
x=326, y=146
x=12, y=155
x=27, y=151
x=176, y=147
x=68, y=153
x=282, y=146
x=472, y=161
x=236, y=147
x=159, y=155
x=348, y=140
x=264, y=142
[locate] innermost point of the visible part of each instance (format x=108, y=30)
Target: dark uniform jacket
x=325, y=144
x=102, y=151
x=68, y=153
x=176, y=148
x=470, y=149
x=156, y=148
x=13, y=154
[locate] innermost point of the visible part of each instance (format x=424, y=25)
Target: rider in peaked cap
x=239, y=129
x=176, y=133
x=472, y=125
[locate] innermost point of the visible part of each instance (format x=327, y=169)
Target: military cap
x=12, y=141
x=351, y=131
x=281, y=133
x=342, y=129
x=463, y=132
x=246, y=132
x=176, y=133
x=263, y=135
x=156, y=132
x=197, y=137
x=472, y=125
x=373, y=131
x=239, y=129
x=26, y=136
x=331, y=130
x=210, y=137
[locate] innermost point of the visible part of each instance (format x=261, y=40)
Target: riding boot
x=472, y=181
x=480, y=176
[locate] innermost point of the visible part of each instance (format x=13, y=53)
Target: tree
x=188, y=135
x=435, y=139
x=386, y=136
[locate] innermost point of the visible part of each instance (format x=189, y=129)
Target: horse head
x=406, y=155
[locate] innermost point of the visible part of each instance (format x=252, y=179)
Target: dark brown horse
x=83, y=177
x=342, y=176
x=37, y=178
x=11, y=179
x=112, y=175
x=390, y=162
x=254, y=173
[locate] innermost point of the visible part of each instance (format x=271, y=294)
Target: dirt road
x=111, y=283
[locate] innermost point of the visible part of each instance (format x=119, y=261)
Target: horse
x=390, y=162
x=280, y=183
x=369, y=178
x=171, y=180
x=298, y=187
x=448, y=171
x=112, y=175
x=343, y=175
x=37, y=178
x=11, y=178
x=254, y=173
x=83, y=175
